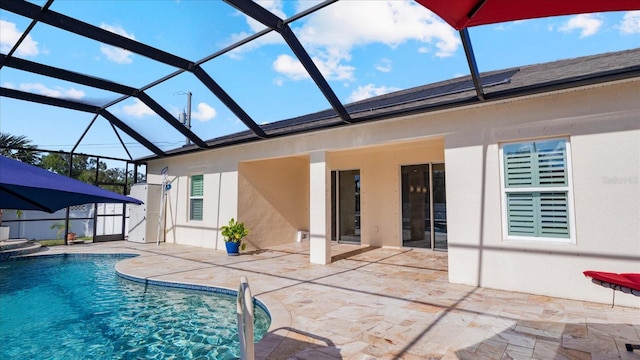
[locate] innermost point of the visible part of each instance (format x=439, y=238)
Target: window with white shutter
x=196, y=193
x=536, y=191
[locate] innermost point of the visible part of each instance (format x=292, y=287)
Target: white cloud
x=268, y=39
x=587, y=24
x=204, y=112
x=385, y=66
x=138, y=109
x=330, y=64
x=370, y=90
x=630, y=23
x=57, y=92
x=274, y=6
x=117, y=55
x=347, y=24
x=291, y=67
x=9, y=35
x=331, y=34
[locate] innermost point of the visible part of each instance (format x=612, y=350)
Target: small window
x=536, y=191
x=196, y=193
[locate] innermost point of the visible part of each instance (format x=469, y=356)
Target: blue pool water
x=76, y=307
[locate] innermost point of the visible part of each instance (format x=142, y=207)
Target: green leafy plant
x=235, y=232
x=60, y=227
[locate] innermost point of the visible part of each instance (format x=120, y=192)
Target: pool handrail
x=245, y=320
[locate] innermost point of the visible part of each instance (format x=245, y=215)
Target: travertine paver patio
x=387, y=303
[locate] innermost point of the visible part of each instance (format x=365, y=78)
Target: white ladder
x=245, y=320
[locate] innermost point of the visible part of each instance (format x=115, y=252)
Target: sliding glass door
x=345, y=206
x=439, y=201
x=424, y=210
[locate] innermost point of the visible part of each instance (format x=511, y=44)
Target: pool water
x=76, y=307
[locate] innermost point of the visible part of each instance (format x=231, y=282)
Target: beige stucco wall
x=269, y=191
x=602, y=123
x=273, y=200
x=380, y=208
x=219, y=203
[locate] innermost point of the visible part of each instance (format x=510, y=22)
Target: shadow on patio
x=556, y=340
x=387, y=303
x=295, y=344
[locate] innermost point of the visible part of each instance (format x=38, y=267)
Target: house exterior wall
x=220, y=198
x=380, y=198
x=601, y=122
x=602, y=125
x=273, y=200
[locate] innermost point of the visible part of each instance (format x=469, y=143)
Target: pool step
x=17, y=247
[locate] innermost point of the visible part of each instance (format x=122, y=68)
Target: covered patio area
x=386, y=303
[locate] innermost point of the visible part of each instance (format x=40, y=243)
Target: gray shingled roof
x=457, y=92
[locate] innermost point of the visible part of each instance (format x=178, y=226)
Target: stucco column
x=319, y=209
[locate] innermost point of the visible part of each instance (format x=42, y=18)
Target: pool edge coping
x=280, y=316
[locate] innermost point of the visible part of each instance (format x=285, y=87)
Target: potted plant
x=60, y=226
x=233, y=235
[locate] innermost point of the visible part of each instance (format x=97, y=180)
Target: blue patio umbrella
x=28, y=187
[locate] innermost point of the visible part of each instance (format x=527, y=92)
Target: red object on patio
x=466, y=13
x=628, y=283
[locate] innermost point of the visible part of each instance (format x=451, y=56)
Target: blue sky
x=363, y=48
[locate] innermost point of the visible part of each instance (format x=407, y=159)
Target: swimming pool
x=76, y=307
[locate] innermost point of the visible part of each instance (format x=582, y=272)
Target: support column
x=319, y=209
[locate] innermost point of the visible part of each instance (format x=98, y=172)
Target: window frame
x=195, y=197
x=568, y=188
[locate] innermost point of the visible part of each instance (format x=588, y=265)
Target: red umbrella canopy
x=466, y=13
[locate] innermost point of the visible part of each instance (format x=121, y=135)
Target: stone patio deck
x=387, y=303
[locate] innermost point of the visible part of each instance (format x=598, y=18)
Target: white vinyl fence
x=39, y=225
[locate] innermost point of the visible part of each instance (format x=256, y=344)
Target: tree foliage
x=17, y=147
x=83, y=167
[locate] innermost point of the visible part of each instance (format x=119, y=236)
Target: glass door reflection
x=416, y=219
x=345, y=206
x=439, y=195
x=424, y=213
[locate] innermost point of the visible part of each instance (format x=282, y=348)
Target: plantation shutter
x=197, y=185
x=519, y=168
x=196, y=201
x=536, y=165
x=552, y=167
x=521, y=214
x=554, y=215
x=196, y=209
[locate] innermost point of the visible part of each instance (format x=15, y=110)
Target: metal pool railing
x=245, y=320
